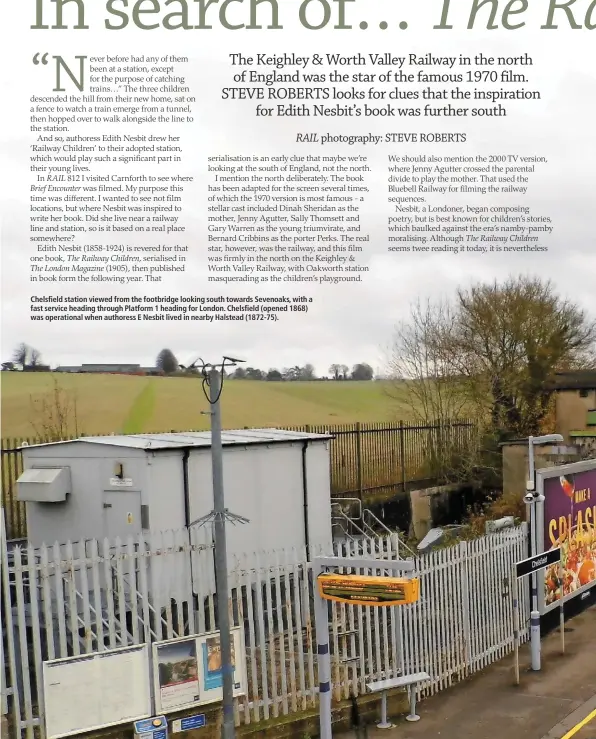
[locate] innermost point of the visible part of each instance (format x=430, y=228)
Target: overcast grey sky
x=347, y=323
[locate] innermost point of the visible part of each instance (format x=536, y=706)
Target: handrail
x=339, y=501
x=149, y=605
x=351, y=521
x=368, y=512
x=376, y=520
x=82, y=623
x=344, y=531
x=368, y=520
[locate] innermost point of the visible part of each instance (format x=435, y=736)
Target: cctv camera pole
x=534, y=614
x=221, y=558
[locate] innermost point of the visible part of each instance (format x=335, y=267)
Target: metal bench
x=404, y=681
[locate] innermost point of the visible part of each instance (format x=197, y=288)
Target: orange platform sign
x=368, y=590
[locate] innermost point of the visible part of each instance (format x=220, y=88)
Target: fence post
x=402, y=455
x=359, y=459
x=463, y=552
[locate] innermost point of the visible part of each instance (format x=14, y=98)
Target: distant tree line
x=28, y=358
x=360, y=371
x=166, y=361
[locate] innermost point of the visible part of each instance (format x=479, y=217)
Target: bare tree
x=429, y=389
x=308, y=372
x=34, y=358
x=335, y=371
x=488, y=355
x=26, y=356
x=55, y=413
x=508, y=339
x=422, y=358
x=292, y=373
x=21, y=355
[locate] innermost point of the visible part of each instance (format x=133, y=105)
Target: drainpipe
x=186, y=489
x=185, y=457
x=305, y=499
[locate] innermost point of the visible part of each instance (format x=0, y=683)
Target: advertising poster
x=178, y=674
x=211, y=664
x=570, y=523
x=188, y=671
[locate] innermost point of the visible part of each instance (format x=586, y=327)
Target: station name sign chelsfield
x=537, y=562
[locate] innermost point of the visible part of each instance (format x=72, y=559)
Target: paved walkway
x=546, y=705
x=581, y=724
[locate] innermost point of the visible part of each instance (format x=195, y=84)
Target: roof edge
x=300, y=436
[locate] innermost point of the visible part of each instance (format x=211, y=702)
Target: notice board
x=187, y=670
x=92, y=691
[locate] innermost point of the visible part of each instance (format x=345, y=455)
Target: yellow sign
x=367, y=590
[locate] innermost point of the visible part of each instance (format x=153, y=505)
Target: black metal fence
x=366, y=459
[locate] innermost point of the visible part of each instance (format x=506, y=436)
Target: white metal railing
x=364, y=521
x=119, y=593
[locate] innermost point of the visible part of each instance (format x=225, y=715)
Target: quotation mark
x=44, y=59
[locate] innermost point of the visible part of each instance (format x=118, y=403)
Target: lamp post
x=533, y=498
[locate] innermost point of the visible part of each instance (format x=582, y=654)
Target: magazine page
x=288, y=280
x=279, y=180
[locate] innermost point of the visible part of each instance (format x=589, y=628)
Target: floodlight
x=547, y=439
x=499, y=524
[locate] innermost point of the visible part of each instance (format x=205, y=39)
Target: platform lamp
x=532, y=499
x=212, y=384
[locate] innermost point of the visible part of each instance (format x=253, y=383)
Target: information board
x=187, y=671
x=368, y=590
x=96, y=690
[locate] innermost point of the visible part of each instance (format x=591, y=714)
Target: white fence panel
x=83, y=597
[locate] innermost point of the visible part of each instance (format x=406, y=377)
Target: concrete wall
x=571, y=410
x=426, y=504
x=515, y=464
x=294, y=726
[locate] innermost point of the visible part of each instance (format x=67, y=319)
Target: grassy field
x=120, y=404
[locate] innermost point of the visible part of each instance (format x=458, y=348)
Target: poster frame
x=542, y=475
x=159, y=708
x=205, y=697
x=143, y=648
